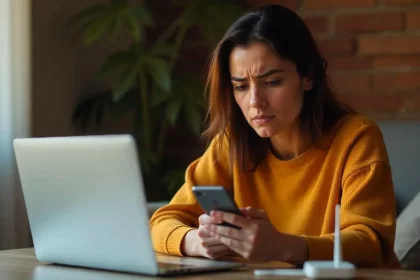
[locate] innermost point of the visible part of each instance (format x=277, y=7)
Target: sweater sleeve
x=170, y=223
x=368, y=212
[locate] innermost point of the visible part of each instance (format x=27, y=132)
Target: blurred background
x=86, y=67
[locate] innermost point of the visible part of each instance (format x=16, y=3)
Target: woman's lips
x=261, y=120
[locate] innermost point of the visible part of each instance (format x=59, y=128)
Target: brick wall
x=373, y=51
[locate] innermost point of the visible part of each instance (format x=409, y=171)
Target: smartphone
x=216, y=198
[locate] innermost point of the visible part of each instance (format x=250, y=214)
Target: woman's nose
x=256, y=99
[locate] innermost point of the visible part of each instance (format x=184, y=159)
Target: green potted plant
x=145, y=77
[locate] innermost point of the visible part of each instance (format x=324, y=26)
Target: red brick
x=389, y=45
x=401, y=2
x=373, y=104
x=334, y=4
x=350, y=63
x=396, y=82
x=344, y=83
x=332, y=47
x=395, y=61
x=369, y=22
x=413, y=20
x=317, y=24
x=291, y=4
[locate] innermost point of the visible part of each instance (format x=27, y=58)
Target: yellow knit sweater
x=350, y=167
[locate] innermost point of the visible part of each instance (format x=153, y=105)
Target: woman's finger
x=204, y=219
x=218, y=251
x=210, y=242
x=233, y=219
x=254, y=213
x=203, y=232
x=236, y=245
x=225, y=231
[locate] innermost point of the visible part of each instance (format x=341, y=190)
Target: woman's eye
x=241, y=88
x=274, y=82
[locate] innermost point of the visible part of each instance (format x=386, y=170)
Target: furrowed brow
x=263, y=75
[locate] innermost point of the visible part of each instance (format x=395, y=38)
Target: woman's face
x=267, y=88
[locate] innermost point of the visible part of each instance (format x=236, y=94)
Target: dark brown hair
x=288, y=35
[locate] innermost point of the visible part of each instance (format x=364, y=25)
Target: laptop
x=87, y=207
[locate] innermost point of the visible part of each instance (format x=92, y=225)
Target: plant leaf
x=86, y=14
x=164, y=50
x=117, y=60
x=174, y=179
x=159, y=71
x=133, y=26
x=159, y=96
x=125, y=103
x=192, y=13
x=172, y=110
x=143, y=15
x=119, y=2
x=193, y=118
x=115, y=28
x=100, y=101
x=179, y=3
x=212, y=21
x=147, y=159
x=95, y=29
x=128, y=78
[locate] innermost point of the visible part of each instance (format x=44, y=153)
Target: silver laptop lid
x=85, y=202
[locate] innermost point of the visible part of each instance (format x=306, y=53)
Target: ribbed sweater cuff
x=174, y=240
x=320, y=247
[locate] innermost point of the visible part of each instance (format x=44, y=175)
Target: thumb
x=254, y=213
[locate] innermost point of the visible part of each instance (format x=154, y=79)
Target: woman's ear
x=307, y=84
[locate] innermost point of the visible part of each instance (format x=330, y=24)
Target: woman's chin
x=263, y=132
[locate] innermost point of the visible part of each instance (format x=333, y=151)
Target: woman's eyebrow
x=263, y=75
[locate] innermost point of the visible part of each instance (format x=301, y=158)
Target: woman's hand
x=257, y=240
x=199, y=242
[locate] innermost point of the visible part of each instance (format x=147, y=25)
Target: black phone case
x=216, y=198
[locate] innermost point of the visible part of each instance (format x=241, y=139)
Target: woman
x=288, y=152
